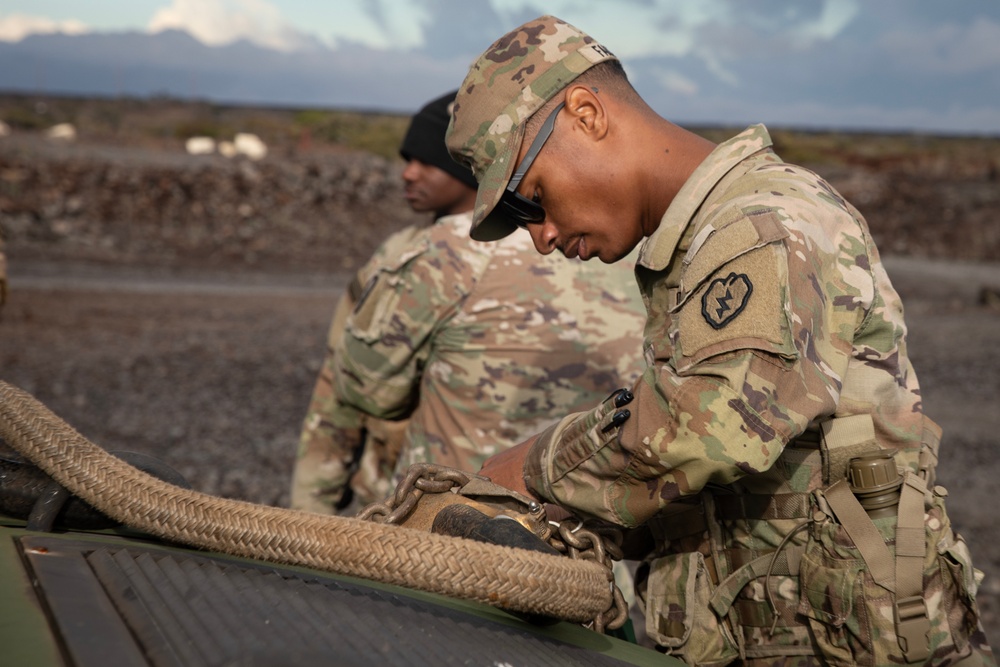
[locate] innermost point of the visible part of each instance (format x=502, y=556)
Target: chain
x=420, y=478
x=598, y=543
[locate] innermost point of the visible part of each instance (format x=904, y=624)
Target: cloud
x=676, y=83
x=218, y=22
x=399, y=24
x=15, y=27
x=947, y=49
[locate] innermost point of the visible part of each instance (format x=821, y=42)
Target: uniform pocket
x=378, y=300
x=832, y=598
x=959, y=582
x=678, y=614
x=372, y=314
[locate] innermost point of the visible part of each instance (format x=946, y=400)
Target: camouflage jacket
x=345, y=455
x=485, y=344
x=769, y=310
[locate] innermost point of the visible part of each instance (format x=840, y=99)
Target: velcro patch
x=741, y=307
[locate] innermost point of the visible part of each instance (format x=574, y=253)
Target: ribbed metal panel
x=186, y=611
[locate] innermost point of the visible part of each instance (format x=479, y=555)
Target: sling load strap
x=863, y=533
x=786, y=563
x=912, y=622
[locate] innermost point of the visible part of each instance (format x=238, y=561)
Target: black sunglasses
x=519, y=208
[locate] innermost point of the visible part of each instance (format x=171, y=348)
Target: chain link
x=600, y=543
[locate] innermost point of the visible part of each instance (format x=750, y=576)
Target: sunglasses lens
x=521, y=209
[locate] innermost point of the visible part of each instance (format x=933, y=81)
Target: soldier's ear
x=587, y=111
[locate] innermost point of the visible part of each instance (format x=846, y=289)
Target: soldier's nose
x=544, y=237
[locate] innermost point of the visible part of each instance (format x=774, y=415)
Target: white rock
x=200, y=145
x=250, y=145
x=62, y=132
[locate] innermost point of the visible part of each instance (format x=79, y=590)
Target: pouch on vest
x=678, y=615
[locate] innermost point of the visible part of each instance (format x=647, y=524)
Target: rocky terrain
x=177, y=305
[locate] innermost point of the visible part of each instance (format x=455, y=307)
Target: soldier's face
x=429, y=189
x=587, y=211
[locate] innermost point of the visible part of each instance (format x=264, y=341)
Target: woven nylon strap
x=912, y=622
x=902, y=575
x=931, y=441
x=785, y=563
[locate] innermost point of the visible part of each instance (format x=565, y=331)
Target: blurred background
x=187, y=185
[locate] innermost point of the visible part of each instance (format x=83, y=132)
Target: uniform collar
x=467, y=215
x=659, y=248
x=455, y=217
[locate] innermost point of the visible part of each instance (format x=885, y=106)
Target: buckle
x=912, y=628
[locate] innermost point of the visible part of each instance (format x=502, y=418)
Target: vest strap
x=902, y=575
x=863, y=533
x=756, y=506
x=912, y=622
x=785, y=563
x=930, y=441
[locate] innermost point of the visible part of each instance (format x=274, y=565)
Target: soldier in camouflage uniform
x=346, y=457
x=476, y=345
x=777, y=386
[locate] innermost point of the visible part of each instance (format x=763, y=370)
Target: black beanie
x=424, y=139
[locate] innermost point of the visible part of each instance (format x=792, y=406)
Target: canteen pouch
x=678, y=615
x=853, y=618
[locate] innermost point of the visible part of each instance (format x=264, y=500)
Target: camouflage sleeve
x=340, y=447
x=756, y=345
x=388, y=336
x=332, y=434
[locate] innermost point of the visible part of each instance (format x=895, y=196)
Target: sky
x=925, y=65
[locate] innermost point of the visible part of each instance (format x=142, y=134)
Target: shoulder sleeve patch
x=378, y=299
x=742, y=306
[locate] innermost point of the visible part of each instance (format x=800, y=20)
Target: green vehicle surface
x=118, y=597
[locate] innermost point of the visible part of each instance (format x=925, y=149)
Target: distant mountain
x=829, y=86
x=175, y=63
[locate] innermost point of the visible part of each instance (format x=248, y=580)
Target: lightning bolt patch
x=726, y=298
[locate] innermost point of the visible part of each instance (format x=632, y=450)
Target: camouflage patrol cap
x=509, y=82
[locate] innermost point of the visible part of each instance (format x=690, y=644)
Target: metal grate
x=189, y=610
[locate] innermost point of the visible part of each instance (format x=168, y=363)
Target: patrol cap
x=509, y=82
x=424, y=139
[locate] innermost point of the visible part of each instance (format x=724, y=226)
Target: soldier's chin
x=611, y=258
x=417, y=204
